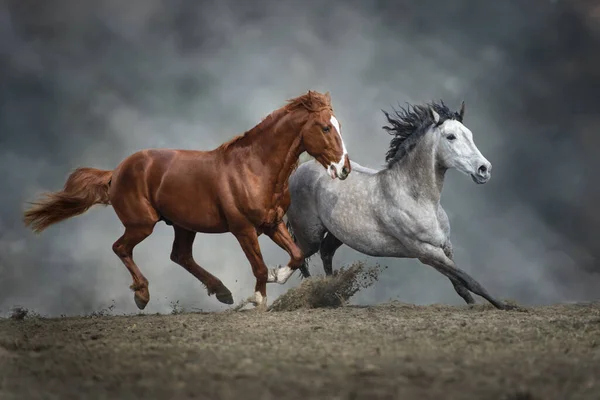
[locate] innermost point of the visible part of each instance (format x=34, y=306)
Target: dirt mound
x=334, y=291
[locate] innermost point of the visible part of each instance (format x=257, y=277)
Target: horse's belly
x=198, y=211
x=203, y=220
x=379, y=246
x=369, y=240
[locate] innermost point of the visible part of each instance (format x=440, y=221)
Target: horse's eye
x=326, y=129
x=451, y=137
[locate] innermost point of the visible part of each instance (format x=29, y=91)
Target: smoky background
x=88, y=83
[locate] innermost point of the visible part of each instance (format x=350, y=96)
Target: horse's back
x=310, y=176
x=148, y=163
x=356, y=167
x=307, y=173
x=144, y=171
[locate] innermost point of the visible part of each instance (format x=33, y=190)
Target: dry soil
x=390, y=351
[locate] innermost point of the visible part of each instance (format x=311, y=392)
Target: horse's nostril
x=482, y=170
x=345, y=171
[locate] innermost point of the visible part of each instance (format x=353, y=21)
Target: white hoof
x=272, y=276
x=280, y=275
x=257, y=300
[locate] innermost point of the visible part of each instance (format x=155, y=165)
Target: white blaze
x=340, y=164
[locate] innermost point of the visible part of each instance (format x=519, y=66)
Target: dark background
x=87, y=83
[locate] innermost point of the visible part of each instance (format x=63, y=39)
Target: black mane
x=408, y=126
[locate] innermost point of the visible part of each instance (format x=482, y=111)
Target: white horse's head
x=456, y=148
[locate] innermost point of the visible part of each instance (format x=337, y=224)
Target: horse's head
x=456, y=148
x=320, y=132
x=322, y=139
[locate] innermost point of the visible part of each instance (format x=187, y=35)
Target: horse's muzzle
x=344, y=174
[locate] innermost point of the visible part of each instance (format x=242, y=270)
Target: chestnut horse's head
x=322, y=135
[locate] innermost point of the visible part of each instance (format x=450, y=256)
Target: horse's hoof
x=224, y=296
x=510, y=307
x=260, y=308
x=141, y=299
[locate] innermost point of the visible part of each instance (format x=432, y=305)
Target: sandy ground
x=390, y=351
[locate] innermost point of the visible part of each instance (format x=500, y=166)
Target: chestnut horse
x=240, y=187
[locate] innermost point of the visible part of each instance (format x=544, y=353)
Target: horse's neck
x=419, y=173
x=277, y=143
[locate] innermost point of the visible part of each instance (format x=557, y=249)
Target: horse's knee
x=297, y=257
x=119, y=249
x=261, y=274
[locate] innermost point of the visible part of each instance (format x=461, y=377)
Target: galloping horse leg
x=458, y=287
x=462, y=291
x=248, y=239
x=329, y=246
x=182, y=255
x=281, y=236
x=123, y=248
x=435, y=257
x=305, y=273
x=139, y=218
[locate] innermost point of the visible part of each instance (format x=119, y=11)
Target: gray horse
x=394, y=212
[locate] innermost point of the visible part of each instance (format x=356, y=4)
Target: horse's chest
x=271, y=213
x=426, y=229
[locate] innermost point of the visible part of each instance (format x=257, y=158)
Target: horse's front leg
x=435, y=256
x=281, y=236
x=248, y=239
x=458, y=287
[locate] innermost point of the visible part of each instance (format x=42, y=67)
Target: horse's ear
x=435, y=116
x=462, y=110
x=310, y=94
x=328, y=96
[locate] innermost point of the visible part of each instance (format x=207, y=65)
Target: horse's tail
x=304, y=267
x=84, y=188
x=290, y=230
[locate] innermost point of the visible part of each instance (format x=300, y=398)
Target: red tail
x=84, y=188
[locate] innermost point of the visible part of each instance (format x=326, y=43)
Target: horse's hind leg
x=182, y=255
x=304, y=269
x=327, y=249
x=312, y=249
x=123, y=248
